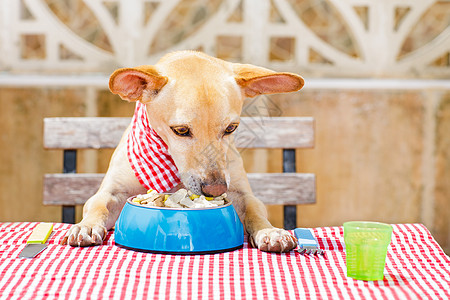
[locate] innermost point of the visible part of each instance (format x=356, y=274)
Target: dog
x=187, y=102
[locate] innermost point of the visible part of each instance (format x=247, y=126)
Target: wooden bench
x=288, y=133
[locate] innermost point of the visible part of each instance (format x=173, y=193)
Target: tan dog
x=193, y=101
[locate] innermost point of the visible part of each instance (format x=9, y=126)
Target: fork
x=307, y=242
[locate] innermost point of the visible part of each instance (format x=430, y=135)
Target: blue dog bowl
x=179, y=231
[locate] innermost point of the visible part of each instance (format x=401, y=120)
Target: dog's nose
x=214, y=190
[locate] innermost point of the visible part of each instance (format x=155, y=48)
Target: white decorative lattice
x=336, y=38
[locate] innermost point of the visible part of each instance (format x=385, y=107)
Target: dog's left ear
x=131, y=83
x=256, y=80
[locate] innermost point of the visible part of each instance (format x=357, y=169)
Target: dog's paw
x=80, y=235
x=273, y=240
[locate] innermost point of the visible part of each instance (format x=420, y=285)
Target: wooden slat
x=83, y=133
x=271, y=188
x=282, y=132
x=70, y=189
x=256, y=132
x=284, y=188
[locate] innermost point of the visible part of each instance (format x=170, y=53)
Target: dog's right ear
x=136, y=84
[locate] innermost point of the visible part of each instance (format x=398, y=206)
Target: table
x=416, y=268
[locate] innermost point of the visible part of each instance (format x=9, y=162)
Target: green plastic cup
x=366, y=246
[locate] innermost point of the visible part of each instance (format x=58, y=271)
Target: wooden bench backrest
x=288, y=133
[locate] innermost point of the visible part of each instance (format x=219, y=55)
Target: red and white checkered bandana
x=148, y=155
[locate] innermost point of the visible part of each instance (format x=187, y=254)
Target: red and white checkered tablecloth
x=416, y=268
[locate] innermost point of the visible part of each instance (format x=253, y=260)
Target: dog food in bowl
x=180, y=199
x=164, y=223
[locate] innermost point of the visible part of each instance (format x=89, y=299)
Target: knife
x=36, y=241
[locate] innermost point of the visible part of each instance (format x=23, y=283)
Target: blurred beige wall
x=377, y=83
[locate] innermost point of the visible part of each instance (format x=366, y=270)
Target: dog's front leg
x=262, y=234
x=99, y=215
x=252, y=211
x=102, y=210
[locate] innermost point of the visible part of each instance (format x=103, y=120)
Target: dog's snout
x=214, y=190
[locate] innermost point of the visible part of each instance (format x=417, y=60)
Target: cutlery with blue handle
x=307, y=243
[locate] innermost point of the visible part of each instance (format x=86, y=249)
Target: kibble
x=180, y=199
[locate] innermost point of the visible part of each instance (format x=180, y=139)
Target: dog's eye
x=181, y=130
x=231, y=128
